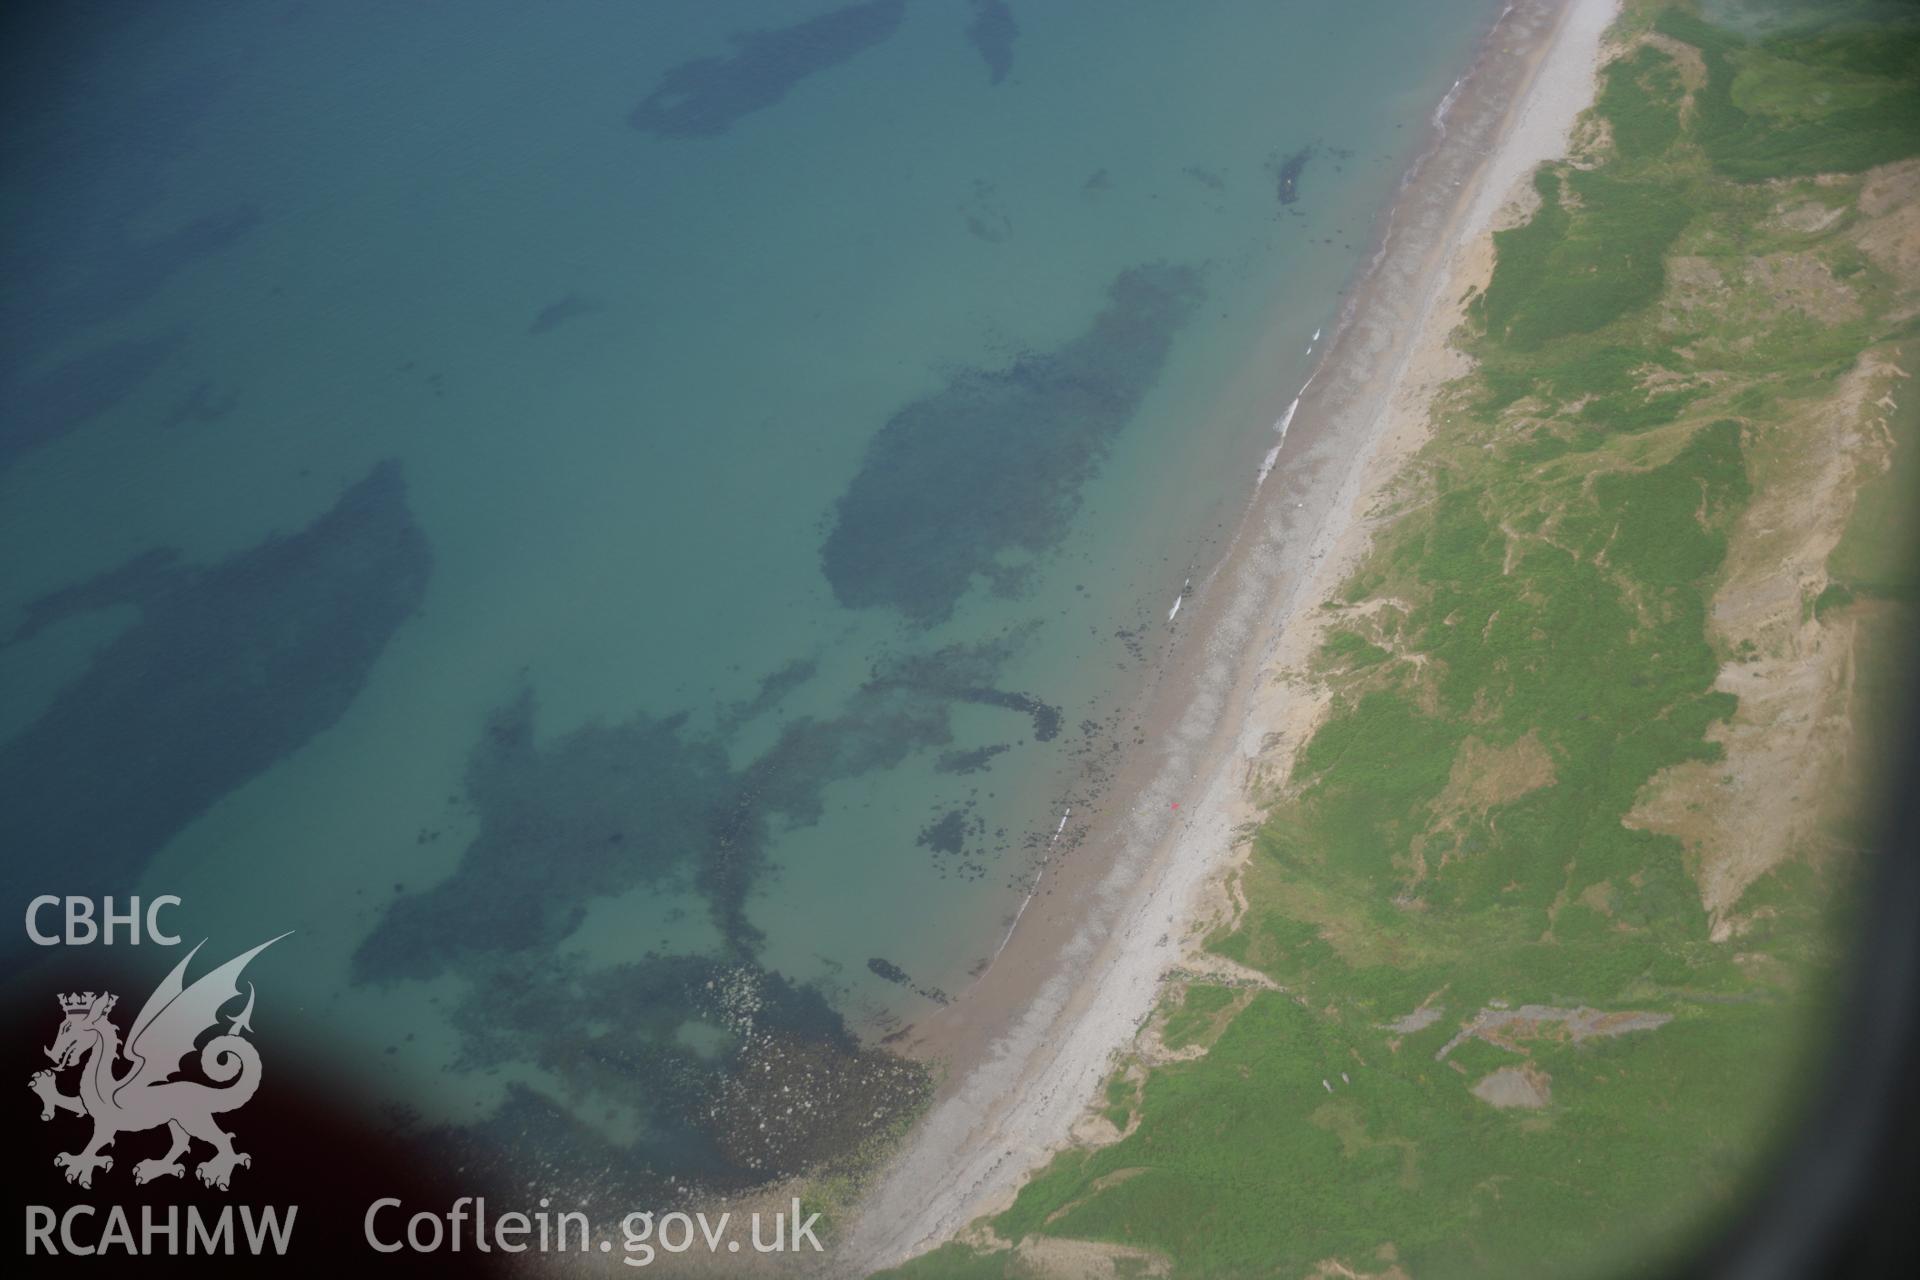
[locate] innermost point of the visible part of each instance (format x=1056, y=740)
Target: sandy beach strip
x=1124, y=901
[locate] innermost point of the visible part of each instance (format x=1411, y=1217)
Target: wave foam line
x=1286, y=419
x=1446, y=105
x=1266, y=466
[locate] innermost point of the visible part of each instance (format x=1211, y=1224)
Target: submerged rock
x=705, y=97
x=229, y=669
x=992, y=33
x=964, y=483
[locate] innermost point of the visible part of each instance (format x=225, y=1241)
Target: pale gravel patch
x=1514, y=1087
x=1419, y=1020
x=1498, y=1025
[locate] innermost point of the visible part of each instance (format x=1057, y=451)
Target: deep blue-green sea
x=625, y=525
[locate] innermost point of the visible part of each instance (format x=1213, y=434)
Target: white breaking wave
x=1266, y=466
x=1446, y=105
x=1016, y=916
x=1286, y=419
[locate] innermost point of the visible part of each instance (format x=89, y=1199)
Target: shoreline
x=1128, y=900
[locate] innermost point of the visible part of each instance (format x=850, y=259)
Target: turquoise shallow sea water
x=624, y=525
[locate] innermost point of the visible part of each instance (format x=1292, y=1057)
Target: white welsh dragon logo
x=145, y=1096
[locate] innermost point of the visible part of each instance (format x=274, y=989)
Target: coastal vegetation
x=1541, y=928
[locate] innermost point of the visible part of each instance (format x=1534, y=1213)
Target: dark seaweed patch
x=986, y=220
x=959, y=673
x=91, y=278
x=888, y=971
x=545, y=847
x=772, y=1082
x=549, y=815
x=41, y=410
x=1286, y=174
x=1208, y=178
x=904, y=707
x=951, y=832
x=705, y=97
x=649, y=801
x=947, y=835
x=992, y=466
x=964, y=762
x=138, y=268
x=773, y=691
x=229, y=669
x=200, y=404
x=93, y=160
x=992, y=32
x=783, y=1088
x=792, y=1104
x=1046, y=719
x=558, y=312
x=136, y=582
